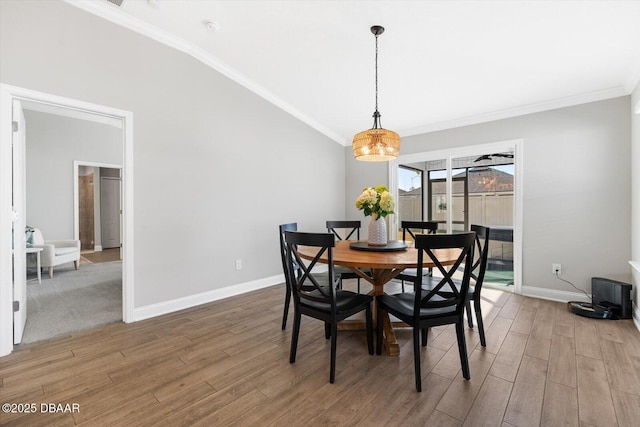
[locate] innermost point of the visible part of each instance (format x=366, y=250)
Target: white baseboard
x=165, y=307
x=97, y=248
x=553, y=294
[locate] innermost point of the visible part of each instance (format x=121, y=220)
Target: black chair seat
x=402, y=305
x=409, y=273
x=346, y=302
x=338, y=269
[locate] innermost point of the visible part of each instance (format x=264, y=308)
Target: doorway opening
x=71, y=299
x=98, y=210
x=12, y=272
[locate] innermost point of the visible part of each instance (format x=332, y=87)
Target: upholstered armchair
x=54, y=252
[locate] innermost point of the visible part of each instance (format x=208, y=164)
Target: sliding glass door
x=461, y=187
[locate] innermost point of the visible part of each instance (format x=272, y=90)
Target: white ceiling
x=441, y=63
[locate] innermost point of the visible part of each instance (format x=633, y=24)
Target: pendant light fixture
x=376, y=144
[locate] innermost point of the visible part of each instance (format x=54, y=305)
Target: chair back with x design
x=310, y=288
x=351, y=229
x=446, y=292
x=431, y=227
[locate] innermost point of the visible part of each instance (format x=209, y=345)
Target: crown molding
x=113, y=14
x=538, y=107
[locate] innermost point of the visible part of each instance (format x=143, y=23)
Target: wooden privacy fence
x=484, y=208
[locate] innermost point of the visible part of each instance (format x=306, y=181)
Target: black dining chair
x=316, y=296
x=345, y=230
x=411, y=228
x=477, y=278
x=293, y=226
x=442, y=305
x=478, y=270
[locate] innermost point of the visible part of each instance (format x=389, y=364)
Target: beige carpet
x=74, y=300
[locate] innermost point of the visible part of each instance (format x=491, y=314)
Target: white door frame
x=7, y=94
x=20, y=217
x=496, y=147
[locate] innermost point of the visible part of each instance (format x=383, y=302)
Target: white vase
x=377, y=231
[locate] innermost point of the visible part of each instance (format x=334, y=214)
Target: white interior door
x=110, y=212
x=19, y=242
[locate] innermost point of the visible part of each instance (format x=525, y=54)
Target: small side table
x=37, y=252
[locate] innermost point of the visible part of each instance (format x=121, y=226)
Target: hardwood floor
x=106, y=255
x=227, y=363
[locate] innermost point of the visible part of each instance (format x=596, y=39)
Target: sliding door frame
x=516, y=146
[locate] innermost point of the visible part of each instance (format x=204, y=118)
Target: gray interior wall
x=52, y=144
x=216, y=168
x=635, y=196
x=360, y=175
x=577, y=187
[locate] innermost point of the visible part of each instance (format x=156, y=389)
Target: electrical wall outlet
x=238, y=264
x=556, y=269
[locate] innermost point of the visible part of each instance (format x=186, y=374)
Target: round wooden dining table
x=378, y=268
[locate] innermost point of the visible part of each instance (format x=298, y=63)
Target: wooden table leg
x=389, y=338
x=378, y=278
x=390, y=343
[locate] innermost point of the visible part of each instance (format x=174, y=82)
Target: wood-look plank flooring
x=227, y=363
x=106, y=255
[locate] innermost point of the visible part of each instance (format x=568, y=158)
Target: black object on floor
x=595, y=311
x=610, y=299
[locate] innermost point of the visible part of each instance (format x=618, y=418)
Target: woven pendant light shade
x=376, y=145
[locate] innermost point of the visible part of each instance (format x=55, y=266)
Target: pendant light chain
x=376, y=72
x=377, y=123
